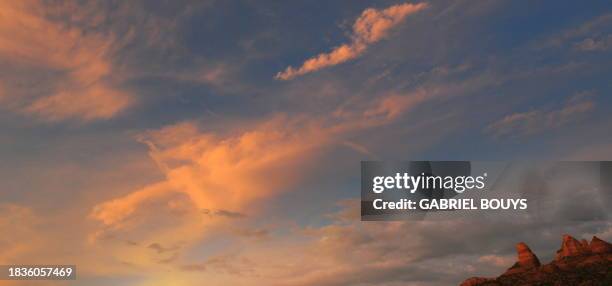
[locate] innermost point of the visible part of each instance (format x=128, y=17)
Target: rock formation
x=576, y=263
x=599, y=246
x=474, y=281
x=526, y=260
x=584, y=243
x=571, y=247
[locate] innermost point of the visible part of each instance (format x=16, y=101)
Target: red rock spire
x=526, y=258
x=527, y=261
x=571, y=247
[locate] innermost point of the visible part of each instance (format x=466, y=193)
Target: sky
x=218, y=142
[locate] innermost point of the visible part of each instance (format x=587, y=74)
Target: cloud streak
x=372, y=26
x=535, y=121
x=55, y=70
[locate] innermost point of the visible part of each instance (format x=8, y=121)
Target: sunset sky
x=217, y=143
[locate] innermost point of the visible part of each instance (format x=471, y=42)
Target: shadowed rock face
x=599, y=246
x=576, y=263
x=477, y=281
x=584, y=243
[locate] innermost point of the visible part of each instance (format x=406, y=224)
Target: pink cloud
x=372, y=26
x=220, y=172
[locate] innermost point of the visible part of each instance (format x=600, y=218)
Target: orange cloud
x=232, y=171
x=18, y=223
x=95, y=102
x=210, y=180
x=372, y=26
x=215, y=179
x=220, y=172
x=58, y=71
x=392, y=106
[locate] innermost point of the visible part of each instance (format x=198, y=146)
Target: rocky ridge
x=576, y=263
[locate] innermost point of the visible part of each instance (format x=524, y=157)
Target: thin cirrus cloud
x=535, y=121
x=54, y=70
x=372, y=26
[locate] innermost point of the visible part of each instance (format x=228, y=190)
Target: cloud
x=372, y=26
x=86, y=103
x=257, y=233
x=595, y=44
x=535, y=121
x=362, y=113
x=225, y=174
x=229, y=214
x=497, y=260
x=590, y=34
x=223, y=179
x=215, y=179
x=157, y=247
x=229, y=264
x=19, y=224
x=55, y=70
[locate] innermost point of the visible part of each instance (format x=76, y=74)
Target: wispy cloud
x=58, y=71
x=19, y=223
x=224, y=174
x=595, y=44
x=534, y=121
x=372, y=26
x=588, y=36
